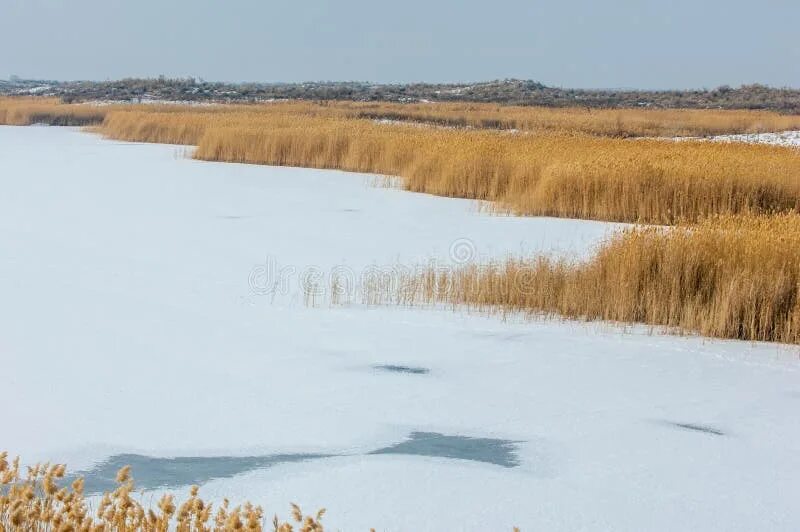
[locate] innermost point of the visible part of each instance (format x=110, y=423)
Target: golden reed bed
x=27, y=111
x=644, y=122
x=563, y=174
x=729, y=277
x=562, y=171
x=605, y=122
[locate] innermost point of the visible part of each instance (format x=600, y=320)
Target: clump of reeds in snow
x=730, y=277
x=36, y=502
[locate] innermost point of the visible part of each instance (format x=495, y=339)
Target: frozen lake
x=152, y=313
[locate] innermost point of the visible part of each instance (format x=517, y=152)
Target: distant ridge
x=508, y=91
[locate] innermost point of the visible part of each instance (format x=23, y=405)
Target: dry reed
x=574, y=176
x=27, y=111
x=730, y=277
x=567, y=173
x=601, y=122
x=37, y=503
x=605, y=122
x=558, y=174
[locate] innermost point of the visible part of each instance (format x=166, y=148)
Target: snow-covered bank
x=131, y=321
x=790, y=139
x=784, y=138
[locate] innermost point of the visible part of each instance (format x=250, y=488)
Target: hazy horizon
x=577, y=44
x=364, y=81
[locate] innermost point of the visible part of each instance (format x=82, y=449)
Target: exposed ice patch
x=160, y=472
x=489, y=450
x=153, y=472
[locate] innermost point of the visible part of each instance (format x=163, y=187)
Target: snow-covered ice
x=130, y=322
x=790, y=139
x=784, y=138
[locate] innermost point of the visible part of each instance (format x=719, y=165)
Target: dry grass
x=557, y=174
x=575, y=176
x=27, y=111
x=607, y=123
x=600, y=122
x=37, y=503
x=567, y=173
x=604, y=122
x=730, y=277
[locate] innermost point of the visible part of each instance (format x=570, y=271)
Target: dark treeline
x=519, y=92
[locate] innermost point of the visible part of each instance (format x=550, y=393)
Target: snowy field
x=153, y=313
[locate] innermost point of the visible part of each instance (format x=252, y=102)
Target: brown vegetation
x=27, y=111
x=550, y=171
x=603, y=122
x=575, y=176
x=559, y=174
x=609, y=123
x=730, y=277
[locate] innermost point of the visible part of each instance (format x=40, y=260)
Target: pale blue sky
x=570, y=43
